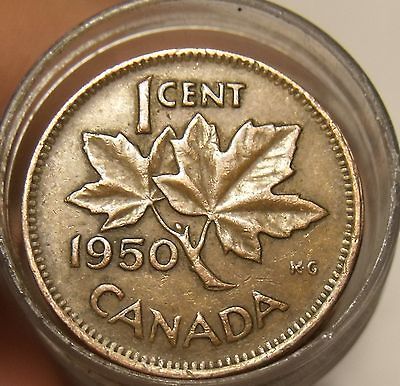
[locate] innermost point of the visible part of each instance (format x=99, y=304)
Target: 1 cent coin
x=192, y=213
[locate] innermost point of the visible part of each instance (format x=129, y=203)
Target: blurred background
x=368, y=29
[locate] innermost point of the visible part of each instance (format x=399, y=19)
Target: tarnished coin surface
x=192, y=213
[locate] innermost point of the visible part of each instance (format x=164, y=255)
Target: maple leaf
x=233, y=188
x=125, y=189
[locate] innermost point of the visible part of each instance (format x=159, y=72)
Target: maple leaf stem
x=164, y=224
x=209, y=280
x=203, y=235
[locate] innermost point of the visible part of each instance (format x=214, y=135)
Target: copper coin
x=192, y=213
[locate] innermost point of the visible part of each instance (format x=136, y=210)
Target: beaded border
x=200, y=369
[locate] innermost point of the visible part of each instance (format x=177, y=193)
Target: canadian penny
x=192, y=213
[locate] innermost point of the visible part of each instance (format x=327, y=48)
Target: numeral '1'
x=143, y=125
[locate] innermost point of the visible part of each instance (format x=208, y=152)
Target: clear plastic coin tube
x=254, y=29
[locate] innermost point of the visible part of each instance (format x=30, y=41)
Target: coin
x=192, y=213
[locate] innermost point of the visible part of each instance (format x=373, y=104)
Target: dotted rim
x=231, y=364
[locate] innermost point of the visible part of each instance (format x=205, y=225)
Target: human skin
x=27, y=29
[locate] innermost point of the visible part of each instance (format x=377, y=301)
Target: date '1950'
x=131, y=257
